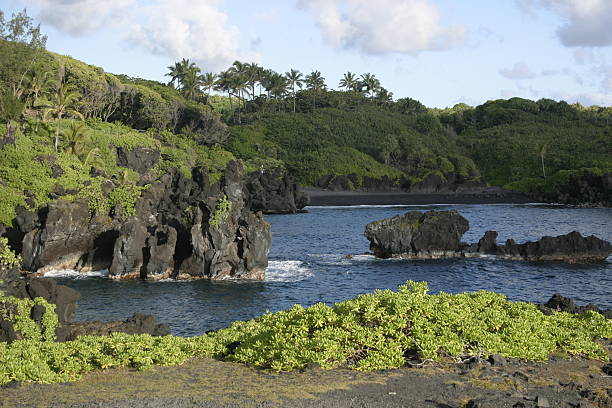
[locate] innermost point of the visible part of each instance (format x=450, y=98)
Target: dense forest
x=61, y=121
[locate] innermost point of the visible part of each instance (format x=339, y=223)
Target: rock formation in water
x=437, y=234
x=184, y=228
x=433, y=234
x=570, y=248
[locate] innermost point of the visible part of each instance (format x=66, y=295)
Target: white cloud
x=189, y=29
x=78, y=17
x=197, y=30
x=520, y=70
x=384, y=26
x=588, y=23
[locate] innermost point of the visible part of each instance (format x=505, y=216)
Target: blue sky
x=440, y=52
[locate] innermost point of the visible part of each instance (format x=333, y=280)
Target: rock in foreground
x=437, y=234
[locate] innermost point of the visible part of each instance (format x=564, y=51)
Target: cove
x=309, y=264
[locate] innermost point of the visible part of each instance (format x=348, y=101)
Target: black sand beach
x=491, y=195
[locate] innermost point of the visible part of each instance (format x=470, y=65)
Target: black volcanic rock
x=570, y=248
x=137, y=324
x=417, y=235
x=68, y=238
x=587, y=189
x=139, y=159
x=183, y=227
x=274, y=192
x=437, y=234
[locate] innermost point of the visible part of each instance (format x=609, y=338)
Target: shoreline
x=324, y=198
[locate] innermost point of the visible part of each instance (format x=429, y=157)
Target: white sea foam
x=287, y=271
x=72, y=274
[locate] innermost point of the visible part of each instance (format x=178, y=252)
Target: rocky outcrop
x=274, y=192
x=569, y=248
x=560, y=303
x=63, y=297
x=137, y=324
x=437, y=234
x=433, y=234
x=68, y=239
x=183, y=228
x=586, y=190
x=65, y=301
x=139, y=159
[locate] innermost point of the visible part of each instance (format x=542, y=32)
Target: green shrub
x=8, y=259
x=224, y=206
x=370, y=332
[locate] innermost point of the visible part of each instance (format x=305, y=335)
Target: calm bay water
x=308, y=264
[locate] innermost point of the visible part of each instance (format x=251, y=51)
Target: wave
x=72, y=274
x=287, y=271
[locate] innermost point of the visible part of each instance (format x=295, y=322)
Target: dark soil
x=209, y=383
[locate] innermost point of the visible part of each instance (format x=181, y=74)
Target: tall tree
x=295, y=79
x=253, y=76
x=278, y=87
x=62, y=103
x=315, y=82
x=26, y=45
x=370, y=84
x=349, y=82
x=74, y=137
x=191, y=82
x=224, y=84
x=208, y=83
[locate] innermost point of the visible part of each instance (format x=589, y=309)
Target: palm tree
x=208, y=83
x=74, y=136
x=36, y=84
x=383, y=96
x=370, y=83
x=349, y=82
x=240, y=86
x=90, y=156
x=315, y=82
x=266, y=79
x=179, y=70
x=278, y=87
x=191, y=82
x=224, y=84
x=253, y=75
x=295, y=78
x=175, y=74
x=62, y=102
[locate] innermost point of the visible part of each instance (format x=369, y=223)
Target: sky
x=440, y=52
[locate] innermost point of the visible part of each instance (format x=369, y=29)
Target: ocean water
x=309, y=264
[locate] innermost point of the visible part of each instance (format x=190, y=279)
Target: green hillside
x=532, y=146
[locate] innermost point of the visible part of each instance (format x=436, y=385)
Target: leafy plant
x=8, y=259
x=373, y=331
x=224, y=206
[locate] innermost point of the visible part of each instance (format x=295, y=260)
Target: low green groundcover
x=370, y=332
